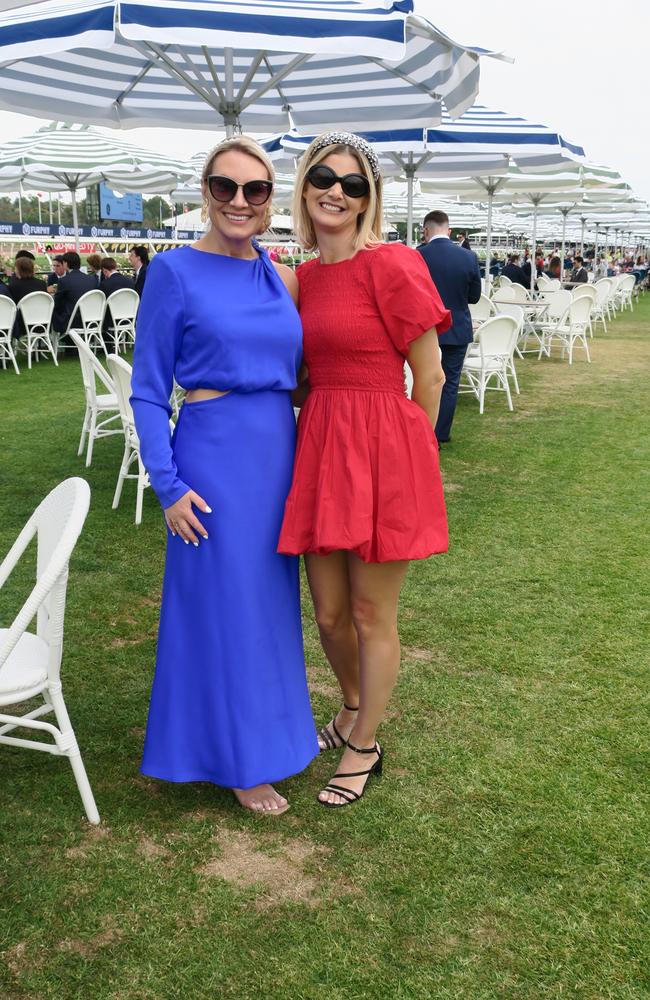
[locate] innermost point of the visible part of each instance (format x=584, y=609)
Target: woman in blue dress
x=229, y=702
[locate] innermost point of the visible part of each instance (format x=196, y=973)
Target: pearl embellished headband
x=348, y=139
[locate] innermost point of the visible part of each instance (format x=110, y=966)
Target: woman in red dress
x=366, y=495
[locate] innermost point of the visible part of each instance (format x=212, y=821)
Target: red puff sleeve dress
x=366, y=475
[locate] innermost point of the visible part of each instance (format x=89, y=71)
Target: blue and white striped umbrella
x=402, y=153
x=260, y=67
x=483, y=130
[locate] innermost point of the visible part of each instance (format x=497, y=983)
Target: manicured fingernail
x=173, y=534
x=187, y=541
x=205, y=536
x=195, y=544
x=208, y=510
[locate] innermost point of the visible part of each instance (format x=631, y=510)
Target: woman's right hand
x=181, y=519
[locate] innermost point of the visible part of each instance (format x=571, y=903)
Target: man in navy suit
x=112, y=281
x=72, y=285
x=139, y=260
x=457, y=277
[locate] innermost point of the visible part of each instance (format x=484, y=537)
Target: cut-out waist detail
x=196, y=395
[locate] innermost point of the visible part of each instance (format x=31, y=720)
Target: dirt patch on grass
x=15, y=958
x=282, y=877
x=416, y=654
x=107, y=936
x=123, y=643
x=151, y=851
x=93, y=835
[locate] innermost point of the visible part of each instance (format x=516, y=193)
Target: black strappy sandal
x=332, y=741
x=346, y=793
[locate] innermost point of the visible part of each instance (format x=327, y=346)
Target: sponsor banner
x=95, y=232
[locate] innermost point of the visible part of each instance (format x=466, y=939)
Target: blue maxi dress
x=229, y=702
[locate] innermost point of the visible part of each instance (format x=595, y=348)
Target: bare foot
x=337, y=731
x=262, y=799
x=350, y=762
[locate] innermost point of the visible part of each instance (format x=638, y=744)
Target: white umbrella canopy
x=67, y=158
x=573, y=180
x=237, y=64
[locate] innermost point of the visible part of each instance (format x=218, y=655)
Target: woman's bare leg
x=329, y=583
x=374, y=598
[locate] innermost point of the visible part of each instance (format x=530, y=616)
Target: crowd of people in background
x=575, y=267
x=68, y=281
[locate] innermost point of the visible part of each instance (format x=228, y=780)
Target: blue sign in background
x=123, y=208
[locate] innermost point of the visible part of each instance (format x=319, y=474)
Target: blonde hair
x=368, y=223
x=244, y=144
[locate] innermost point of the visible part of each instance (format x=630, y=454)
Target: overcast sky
x=581, y=67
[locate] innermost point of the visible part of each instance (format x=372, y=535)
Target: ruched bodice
x=366, y=477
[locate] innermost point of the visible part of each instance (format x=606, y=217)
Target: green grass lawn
x=505, y=852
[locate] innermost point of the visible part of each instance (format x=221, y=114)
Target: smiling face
x=236, y=220
x=331, y=211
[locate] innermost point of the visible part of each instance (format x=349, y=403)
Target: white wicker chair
x=7, y=317
x=573, y=329
x=586, y=291
x=557, y=311
x=102, y=416
x=121, y=373
x=516, y=311
x=496, y=339
x=36, y=310
x=122, y=307
x=625, y=289
x=30, y=662
x=87, y=319
x=600, y=310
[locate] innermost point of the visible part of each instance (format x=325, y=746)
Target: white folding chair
x=504, y=281
x=87, y=319
x=496, y=339
x=517, y=313
x=36, y=310
x=555, y=316
x=7, y=318
x=555, y=285
x=573, y=329
x=102, y=416
x=30, y=662
x=543, y=282
x=122, y=307
x=121, y=373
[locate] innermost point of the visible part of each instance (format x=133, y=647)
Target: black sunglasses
x=225, y=189
x=323, y=177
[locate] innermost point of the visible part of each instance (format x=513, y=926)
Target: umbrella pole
x=596, y=242
x=582, y=237
x=20, y=201
x=409, y=201
x=533, y=269
x=488, y=240
x=75, y=220
x=564, y=215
